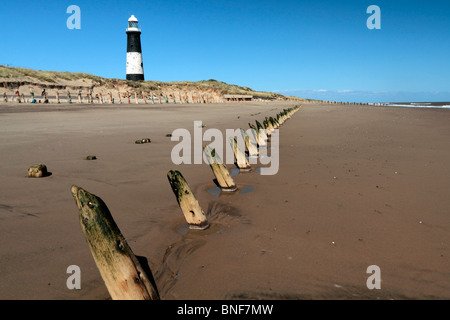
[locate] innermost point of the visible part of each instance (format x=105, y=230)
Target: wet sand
x=357, y=186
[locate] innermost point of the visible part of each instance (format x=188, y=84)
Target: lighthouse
x=135, y=66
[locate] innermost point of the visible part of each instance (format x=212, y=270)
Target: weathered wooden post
x=189, y=205
x=279, y=118
x=144, y=97
x=120, y=97
x=260, y=127
x=151, y=96
x=128, y=97
x=18, y=96
x=110, y=97
x=241, y=161
x=136, y=97
x=57, y=97
x=221, y=172
x=252, y=148
x=261, y=136
x=269, y=125
x=274, y=122
x=121, y=271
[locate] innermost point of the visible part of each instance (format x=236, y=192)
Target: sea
x=435, y=105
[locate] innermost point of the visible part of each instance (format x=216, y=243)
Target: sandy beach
x=357, y=186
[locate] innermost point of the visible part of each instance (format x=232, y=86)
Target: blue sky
x=314, y=49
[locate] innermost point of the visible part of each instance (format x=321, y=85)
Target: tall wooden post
x=189, y=205
x=252, y=148
x=241, y=161
x=121, y=271
x=221, y=172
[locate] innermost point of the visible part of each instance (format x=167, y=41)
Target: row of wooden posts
x=120, y=269
x=127, y=96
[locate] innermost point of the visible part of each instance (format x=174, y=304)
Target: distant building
x=237, y=97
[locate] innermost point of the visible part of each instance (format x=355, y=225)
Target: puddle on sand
x=236, y=171
x=246, y=189
x=216, y=191
x=184, y=229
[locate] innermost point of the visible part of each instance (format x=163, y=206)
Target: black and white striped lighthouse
x=135, y=66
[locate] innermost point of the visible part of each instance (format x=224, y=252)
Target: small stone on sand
x=38, y=171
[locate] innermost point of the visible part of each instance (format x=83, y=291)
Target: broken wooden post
x=269, y=124
x=38, y=171
x=18, y=96
x=221, y=172
x=241, y=161
x=121, y=271
x=273, y=122
x=260, y=127
x=189, y=205
x=260, y=134
x=251, y=147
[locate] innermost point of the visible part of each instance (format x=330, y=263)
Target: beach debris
x=38, y=171
x=144, y=140
x=189, y=205
x=120, y=269
x=169, y=135
x=221, y=172
x=91, y=158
